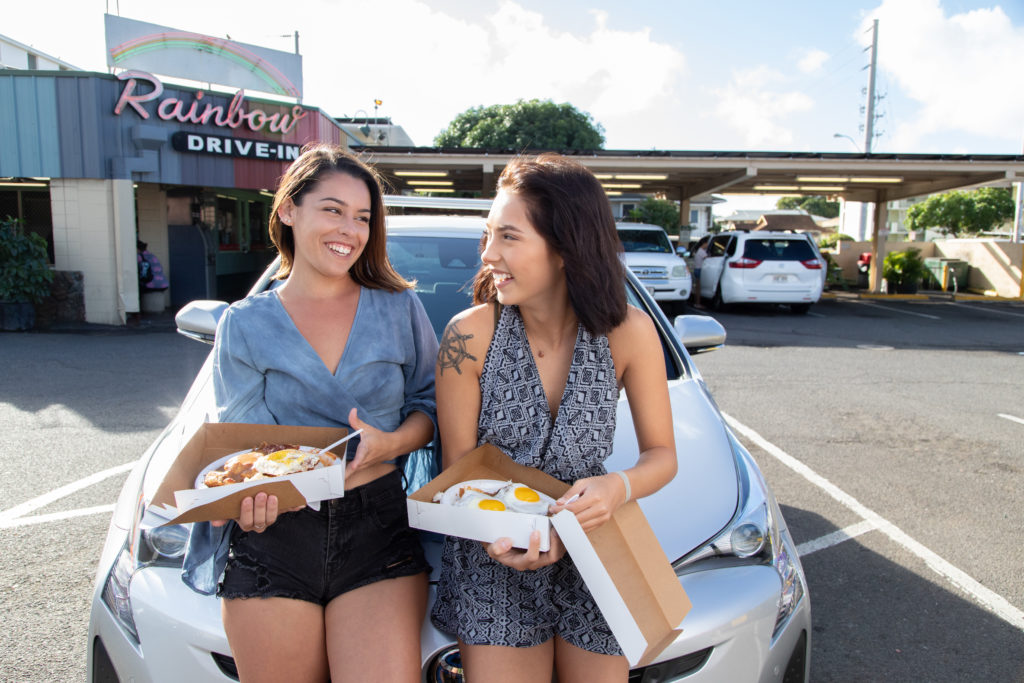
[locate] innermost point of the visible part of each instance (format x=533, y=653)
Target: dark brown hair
x=373, y=269
x=568, y=207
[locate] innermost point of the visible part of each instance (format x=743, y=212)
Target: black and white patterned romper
x=485, y=602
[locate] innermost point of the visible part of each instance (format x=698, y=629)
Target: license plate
x=780, y=278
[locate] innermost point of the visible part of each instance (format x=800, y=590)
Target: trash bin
x=947, y=274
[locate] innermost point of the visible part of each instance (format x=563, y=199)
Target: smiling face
x=331, y=224
x=521, y=263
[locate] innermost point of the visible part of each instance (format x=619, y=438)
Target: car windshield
x=443, y=268
x=650, y=241
x=778, y=250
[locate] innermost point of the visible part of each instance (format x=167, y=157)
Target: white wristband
x=625, y=480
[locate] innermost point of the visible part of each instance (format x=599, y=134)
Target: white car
x=763, y=267
x=717, y=520
x=650, y=255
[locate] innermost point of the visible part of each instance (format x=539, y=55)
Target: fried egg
x=288, y=461
x=475, y=500
x=522, y=498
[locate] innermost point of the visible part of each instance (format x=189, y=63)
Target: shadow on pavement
x=876, y=620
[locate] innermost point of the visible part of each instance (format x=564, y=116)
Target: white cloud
x=812, y=61
x=753, y=105
x=434, y=66
x=958, y=69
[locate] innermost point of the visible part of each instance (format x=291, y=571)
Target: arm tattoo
x=453, y=349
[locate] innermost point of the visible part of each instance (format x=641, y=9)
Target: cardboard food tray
x=486, y=462
x=180, y=503
x=622, y=562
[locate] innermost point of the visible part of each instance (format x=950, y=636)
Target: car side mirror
x=198, y=319
x=699, y=333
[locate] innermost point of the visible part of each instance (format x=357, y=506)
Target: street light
x=852, y=141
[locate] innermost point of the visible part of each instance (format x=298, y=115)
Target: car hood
x=652, y=258
x=698, y=503
x=701, y=500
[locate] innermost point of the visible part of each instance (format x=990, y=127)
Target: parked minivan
x=763, y=267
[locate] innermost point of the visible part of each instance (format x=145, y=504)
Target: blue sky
x=683, y=74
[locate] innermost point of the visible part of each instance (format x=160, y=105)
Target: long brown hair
x=372, y=269
x=568, y=207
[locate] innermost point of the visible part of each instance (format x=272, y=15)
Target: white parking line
x=985, y=308
x=989, y=599
x=58, y=493
x=1011, y=418
x=816, y=315
x=834, y=538
x=899, y=310
x=55, y=516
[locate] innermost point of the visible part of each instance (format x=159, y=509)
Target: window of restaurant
x=32, y=205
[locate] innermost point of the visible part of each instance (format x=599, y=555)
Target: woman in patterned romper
x=535, y=368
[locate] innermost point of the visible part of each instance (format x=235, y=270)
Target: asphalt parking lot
x=893, y=436
x=891, y=432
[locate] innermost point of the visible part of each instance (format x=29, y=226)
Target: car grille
x=226, y=664
x=670, y=669
x=650, y=272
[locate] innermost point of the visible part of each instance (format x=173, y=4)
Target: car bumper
x=727, y=635
x=770, y=295
x=673, y=289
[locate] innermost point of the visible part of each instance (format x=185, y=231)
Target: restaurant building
x=93, y=162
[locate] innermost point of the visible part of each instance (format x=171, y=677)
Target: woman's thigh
x=276, y=639
x=576, y=665
x=499, y=664
x=373, y=632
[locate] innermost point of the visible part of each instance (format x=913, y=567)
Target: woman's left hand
x=374, y=445
x=599, y=498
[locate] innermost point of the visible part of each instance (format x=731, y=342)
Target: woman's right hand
x=529, y=559
x=258, y=512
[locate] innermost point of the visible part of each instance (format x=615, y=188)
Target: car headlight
x=158, y=546
x=679, y=271
x=752, y=537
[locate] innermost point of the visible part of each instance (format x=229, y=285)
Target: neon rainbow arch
x=226, y=49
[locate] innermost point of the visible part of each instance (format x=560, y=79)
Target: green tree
x=957, y=213
x=816, y=205
x=532, y=124
x=658, y=212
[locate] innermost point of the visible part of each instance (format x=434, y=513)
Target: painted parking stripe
x=985, y=309
x=834, y=538
x=1011, y=418
x=58, y=493
x=55, y=516
x=989, y=599
x=899, y=310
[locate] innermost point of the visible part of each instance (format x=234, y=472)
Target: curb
x=926, y=296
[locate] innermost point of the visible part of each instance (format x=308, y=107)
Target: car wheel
x=799, y=309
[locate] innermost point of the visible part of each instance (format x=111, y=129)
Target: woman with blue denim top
x=339, y=592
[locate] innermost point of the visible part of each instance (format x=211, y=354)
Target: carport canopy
x=686, y=175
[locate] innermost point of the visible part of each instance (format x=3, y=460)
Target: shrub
x=25, y=274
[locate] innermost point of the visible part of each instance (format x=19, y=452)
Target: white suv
x=763, y=267
x=649, y=254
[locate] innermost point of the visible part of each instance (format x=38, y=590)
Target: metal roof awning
x=684, y=175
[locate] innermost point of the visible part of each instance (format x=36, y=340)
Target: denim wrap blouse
x=265, y=372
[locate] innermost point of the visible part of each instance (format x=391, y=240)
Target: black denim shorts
x=316, y=556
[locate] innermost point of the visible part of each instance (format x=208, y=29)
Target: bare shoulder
x=465, y=339
x=635, y=337
x=637, y=328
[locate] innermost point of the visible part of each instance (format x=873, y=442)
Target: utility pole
x=869, y=123
x=877, y=238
